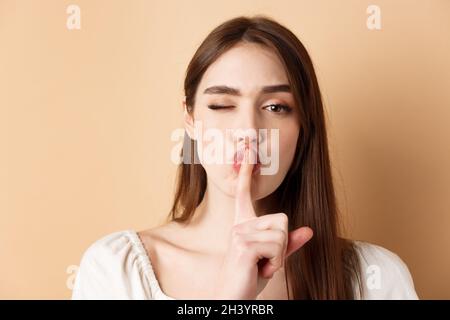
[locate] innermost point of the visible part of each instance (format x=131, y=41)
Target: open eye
x=278, y=108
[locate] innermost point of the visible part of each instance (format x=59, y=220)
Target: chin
x=226, y=181
x=262, y=186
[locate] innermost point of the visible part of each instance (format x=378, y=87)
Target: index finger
x=243, y=206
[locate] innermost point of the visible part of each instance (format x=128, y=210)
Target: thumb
x=297, y=238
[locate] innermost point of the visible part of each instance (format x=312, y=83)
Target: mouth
x=238, y=157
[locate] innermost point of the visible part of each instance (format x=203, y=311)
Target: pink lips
x=238, y=157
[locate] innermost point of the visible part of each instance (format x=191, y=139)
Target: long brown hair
x=327, y=266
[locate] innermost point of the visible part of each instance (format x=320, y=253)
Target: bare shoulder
x=174, y=242
x=162, y=236
x=167, y=242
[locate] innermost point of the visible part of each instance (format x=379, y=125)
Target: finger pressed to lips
x=244, y=206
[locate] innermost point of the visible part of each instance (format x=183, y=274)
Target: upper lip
x=239, y=155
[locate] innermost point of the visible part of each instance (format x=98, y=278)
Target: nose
x=248, y=139
x=246, y=127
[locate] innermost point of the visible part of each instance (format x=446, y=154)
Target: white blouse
x=117, y=267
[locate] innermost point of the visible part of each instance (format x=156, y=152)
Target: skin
x=234, y=200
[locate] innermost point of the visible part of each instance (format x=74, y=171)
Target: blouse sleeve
x=111, y=269
x=384, y=275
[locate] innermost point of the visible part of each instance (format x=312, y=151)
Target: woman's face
x=236, y=82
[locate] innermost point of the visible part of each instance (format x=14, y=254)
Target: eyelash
x=285, y=108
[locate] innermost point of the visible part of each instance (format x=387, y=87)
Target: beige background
x=86, y=117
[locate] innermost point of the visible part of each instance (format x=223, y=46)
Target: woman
x=233, y=232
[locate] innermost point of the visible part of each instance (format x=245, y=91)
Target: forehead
x=247, y=66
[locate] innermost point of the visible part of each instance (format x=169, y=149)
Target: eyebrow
x=235, y=92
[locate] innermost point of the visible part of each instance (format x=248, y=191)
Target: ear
x=188, y=120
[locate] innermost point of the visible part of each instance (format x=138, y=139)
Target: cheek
x=222, y=177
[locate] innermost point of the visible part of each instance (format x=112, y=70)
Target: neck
x=214, y=217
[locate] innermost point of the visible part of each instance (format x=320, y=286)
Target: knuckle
x=243, y=250
x=277, y=263
x=280, y=246
x=283, y=218
x=280, y=237
x=235, y=230
x=240, y=243
x=236, y=238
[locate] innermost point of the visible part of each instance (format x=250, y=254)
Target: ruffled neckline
x=148, y=268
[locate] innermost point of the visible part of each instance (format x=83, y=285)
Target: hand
x=258, y=246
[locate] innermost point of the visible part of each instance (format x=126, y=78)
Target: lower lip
x=256, y=168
